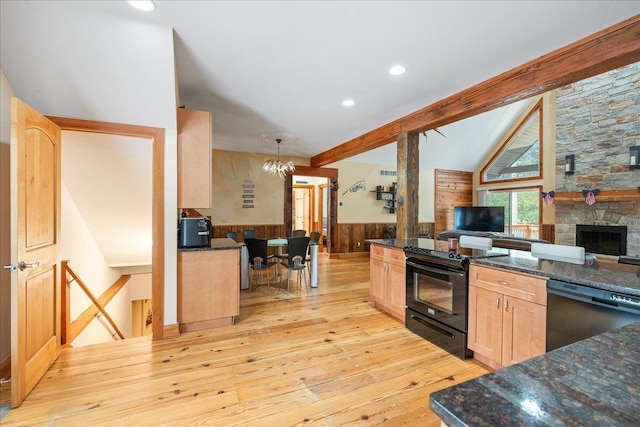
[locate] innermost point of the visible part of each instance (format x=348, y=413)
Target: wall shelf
x=386, y=195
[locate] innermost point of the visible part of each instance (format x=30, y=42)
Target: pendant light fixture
x=278, y=167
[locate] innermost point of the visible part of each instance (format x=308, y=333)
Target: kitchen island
x=594, y=382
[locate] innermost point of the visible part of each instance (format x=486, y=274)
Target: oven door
x=438, y=292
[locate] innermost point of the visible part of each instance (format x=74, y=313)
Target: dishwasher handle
x=594, y=296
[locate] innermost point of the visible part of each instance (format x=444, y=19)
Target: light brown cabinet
x=507, y=316
x=208, y=288
x=388, y=280
x=194, y=158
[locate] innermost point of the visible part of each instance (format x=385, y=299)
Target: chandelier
x=278, y=167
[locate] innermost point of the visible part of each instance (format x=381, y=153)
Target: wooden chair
x=259, y=259
x=297, y=251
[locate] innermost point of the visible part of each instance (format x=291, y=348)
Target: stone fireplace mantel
x=604, y=196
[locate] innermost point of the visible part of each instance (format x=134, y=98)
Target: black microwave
x=194, y=233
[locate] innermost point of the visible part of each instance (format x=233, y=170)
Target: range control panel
x=625, y=299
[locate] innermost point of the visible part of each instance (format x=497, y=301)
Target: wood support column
x=408, y=179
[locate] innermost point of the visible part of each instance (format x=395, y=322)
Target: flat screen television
x=479, y=218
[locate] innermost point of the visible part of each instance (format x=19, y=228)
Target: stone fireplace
x=597, y=121
x=602, y=239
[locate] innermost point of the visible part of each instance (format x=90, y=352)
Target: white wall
x=79, y=247
x=6, y=92
x=361, y=206
x=119, y=71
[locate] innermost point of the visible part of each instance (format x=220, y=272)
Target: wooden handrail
x=67, y=335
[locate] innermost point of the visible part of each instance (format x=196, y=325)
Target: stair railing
x=67, y=334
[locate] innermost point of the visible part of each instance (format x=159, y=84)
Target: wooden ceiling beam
x=613, y=47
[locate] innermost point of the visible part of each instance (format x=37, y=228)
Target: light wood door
x=485, y=323
x=524, y=330
x=396, y=292
x=377, y=275
x=35, y=224
x=303, y=200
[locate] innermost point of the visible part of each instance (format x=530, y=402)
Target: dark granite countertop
x=594, y=382
x=623, y=278
x=216, y=244
x=610, y=276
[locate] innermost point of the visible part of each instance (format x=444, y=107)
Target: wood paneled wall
x=262, y=230
x=350, y=234
x=453, y=188
x=548, y=232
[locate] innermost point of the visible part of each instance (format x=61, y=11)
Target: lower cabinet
x=507, y=316
x=388, y=280
x=208, y=288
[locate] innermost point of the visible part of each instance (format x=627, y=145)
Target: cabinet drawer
x=518, y=285
x=395, y=256
x=377, y=251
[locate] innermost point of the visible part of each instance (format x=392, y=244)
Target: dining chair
x=259, y=260
x=232, y=235
x=249, y=234
x=299, y=233
x=297, y=251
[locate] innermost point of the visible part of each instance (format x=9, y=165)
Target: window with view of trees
x=519, y=157
x=521, y=210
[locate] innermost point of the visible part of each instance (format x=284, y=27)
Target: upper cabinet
x=194, y=159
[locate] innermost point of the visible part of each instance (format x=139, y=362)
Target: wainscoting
x=352, y=236
x=349, y=235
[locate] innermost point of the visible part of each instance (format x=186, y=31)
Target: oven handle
x=433, y=270
x=434, y=327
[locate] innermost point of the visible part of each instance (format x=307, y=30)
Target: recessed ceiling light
x=143, y=5
x=396, y=70
x=348, y=102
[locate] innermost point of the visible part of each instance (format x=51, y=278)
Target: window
x=519, y=157
x=521, y=210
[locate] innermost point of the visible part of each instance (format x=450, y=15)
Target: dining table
x=280, y=243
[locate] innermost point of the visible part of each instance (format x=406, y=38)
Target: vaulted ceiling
x=284, y=66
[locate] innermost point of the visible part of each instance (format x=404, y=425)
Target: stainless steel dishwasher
x=576, y=312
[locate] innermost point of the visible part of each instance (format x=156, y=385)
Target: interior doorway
x=303, y=208
x=106, y=232
x=329, y=177
x=156, y=135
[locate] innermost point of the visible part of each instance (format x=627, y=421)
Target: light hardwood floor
x=323, y=358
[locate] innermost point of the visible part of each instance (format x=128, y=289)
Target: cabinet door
x=396, y=291
x=377, y=276
x=524, y=330
x=485, y=323
x=194, y=159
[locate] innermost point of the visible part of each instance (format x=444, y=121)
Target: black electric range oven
x=437, y=288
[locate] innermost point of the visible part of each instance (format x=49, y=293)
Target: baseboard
x=170, y=331
x=5, y=368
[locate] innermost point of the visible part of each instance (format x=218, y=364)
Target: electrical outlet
x=358, y=244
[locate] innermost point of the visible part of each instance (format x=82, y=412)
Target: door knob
x=24, y=265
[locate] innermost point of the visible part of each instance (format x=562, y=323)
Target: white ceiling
x=285, y=66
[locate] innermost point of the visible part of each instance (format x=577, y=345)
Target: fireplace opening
x=602, y=239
